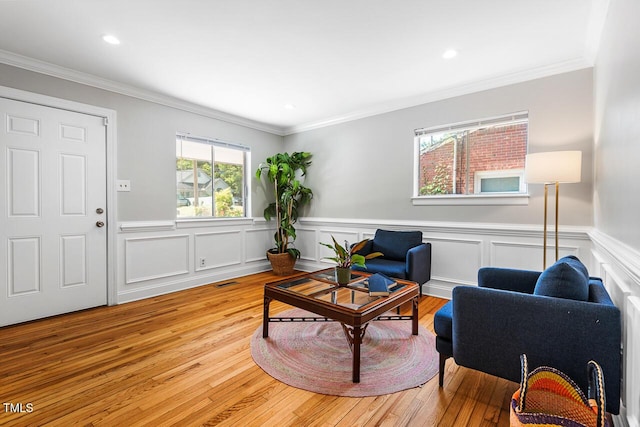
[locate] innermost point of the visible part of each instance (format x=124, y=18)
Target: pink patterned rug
x=315, y=356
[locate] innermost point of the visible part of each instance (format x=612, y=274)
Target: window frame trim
x=246, y=155
x=512, y=118
x=506, y=199
x=478, y=199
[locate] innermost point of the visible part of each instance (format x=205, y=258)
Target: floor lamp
x=553, y=167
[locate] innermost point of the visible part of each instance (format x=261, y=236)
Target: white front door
x=53, y=231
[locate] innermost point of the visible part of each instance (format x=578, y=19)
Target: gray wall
x=364, y=168
x=146, y=142
x=617, y=138
x=361, y=169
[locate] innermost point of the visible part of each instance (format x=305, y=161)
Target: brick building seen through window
x=474, y=160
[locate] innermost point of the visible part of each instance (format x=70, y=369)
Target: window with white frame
x=481, y=157
x=211, y=178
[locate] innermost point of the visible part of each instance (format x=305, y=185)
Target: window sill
x=472, y=200
x=211, y=222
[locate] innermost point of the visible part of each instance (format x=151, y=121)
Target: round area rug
x=315, y=356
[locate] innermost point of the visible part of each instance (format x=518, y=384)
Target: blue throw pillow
x=574, y=262
x=567, y=278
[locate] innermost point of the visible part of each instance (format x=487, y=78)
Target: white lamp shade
x=553, y=166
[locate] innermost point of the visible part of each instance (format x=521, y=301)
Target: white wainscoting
x=632, y=361
x=619, y=267
x=157, y=257
x=458, y=249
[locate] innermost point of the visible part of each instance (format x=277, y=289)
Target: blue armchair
x=512, y=312
x=406, y=256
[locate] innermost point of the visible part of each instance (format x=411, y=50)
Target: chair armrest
x=508, y=279
x=598, y=293
x=491, y=328
x=419, y=263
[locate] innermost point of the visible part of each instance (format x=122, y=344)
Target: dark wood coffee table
x=350, y=305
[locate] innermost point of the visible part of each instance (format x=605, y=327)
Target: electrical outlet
x=203, y=262
x=124, y=185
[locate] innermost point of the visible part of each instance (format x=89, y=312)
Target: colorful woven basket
x=548, y=397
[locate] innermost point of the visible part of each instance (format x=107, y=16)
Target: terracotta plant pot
x=343, y=275
x=282, y=264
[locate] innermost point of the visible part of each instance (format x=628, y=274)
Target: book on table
x=379, y=284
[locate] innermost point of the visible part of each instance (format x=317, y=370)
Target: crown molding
x=46, y=68
x=451, y=92
x=57, y=71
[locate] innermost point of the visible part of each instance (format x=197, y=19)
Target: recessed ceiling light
x=111, y=39
x=289, y=106
x=449, y=53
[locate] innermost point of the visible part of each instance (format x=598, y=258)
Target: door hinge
x=105, y=121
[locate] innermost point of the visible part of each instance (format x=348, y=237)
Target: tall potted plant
x=285, y=171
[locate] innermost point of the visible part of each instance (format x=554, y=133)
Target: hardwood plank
x=183, y=359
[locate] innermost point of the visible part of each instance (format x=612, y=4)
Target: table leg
x=265, y=317
x=414, y=316
x=357, y=340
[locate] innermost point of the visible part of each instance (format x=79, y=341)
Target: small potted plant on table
x=346, y=256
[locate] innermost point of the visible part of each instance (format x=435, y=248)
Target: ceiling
x=333, y=60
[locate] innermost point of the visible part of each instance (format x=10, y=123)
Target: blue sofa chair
x=406, y=256
x=560, y=318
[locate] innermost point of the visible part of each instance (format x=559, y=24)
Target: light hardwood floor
x=183, y=359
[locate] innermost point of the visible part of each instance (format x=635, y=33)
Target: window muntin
x=451, y=159
x=211, y=177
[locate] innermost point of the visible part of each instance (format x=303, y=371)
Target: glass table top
x=322, y=286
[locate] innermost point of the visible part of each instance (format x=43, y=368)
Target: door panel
x=52, y=181
x=23, y=174
x=24, y=266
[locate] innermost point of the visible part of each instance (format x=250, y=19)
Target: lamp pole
x=544, y=233
x=557, y=210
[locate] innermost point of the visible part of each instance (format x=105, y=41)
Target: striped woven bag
x=548, y=397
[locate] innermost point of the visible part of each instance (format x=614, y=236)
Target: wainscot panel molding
x=218, y=249
x=305, y=240
x=158, y=257
x=257, y=242
x=619, y=267
x=529, y=255
x=458, y=249
x=149, y=258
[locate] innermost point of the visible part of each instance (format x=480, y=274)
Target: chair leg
x=443, y=360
